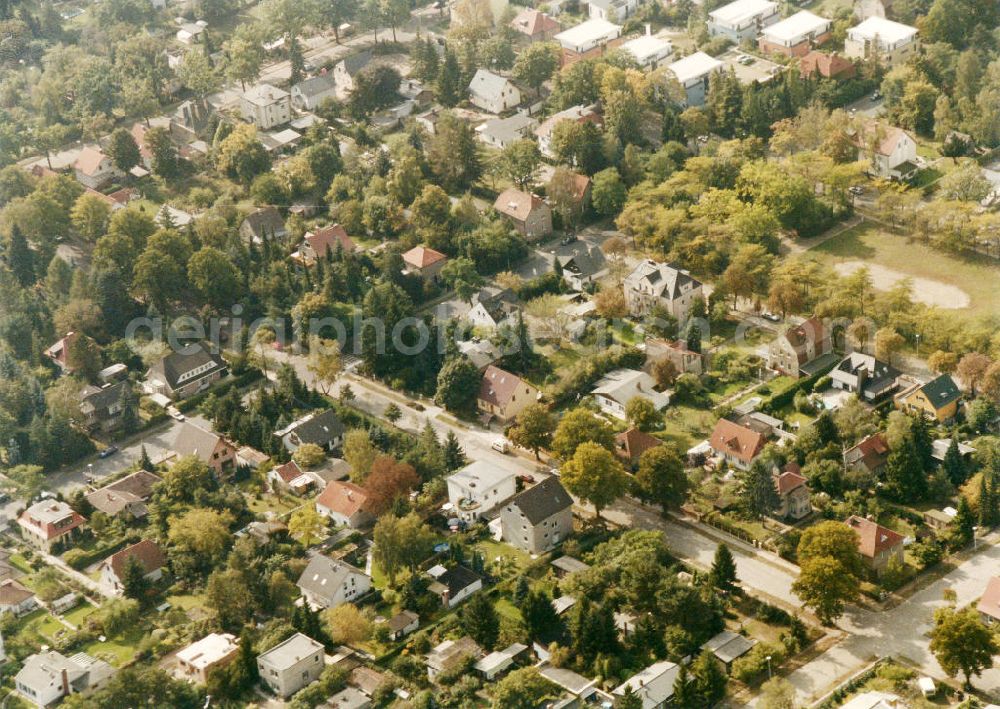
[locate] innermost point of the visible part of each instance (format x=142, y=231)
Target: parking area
x=750, y=68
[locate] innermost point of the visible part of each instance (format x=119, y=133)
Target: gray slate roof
x=323, y=576
x=543, y=500
x=178, y=363
x=316, y=85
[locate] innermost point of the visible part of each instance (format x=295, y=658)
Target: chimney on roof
x=65, y=682
x=649, y=30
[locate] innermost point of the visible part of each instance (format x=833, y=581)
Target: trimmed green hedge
x=240, y=381
x=785, y=397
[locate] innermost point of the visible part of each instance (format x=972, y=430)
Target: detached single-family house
x=535, y=26
x=311, y=92
x=989, y=602
x=216, y=451
x=345, y=504
x=653, y=285
x=102, y=407
x=450, y=654
x=631, y=444
x=868, y=456
x=828, y=65
x=323, y=429
x=191, y=32
x=59, y=352
x=499, y=661
x=16, y=599
x=501, y=132
x=878, y=545
x=887, y=42
x=425, y=263
x=575, y=114
x=649, y=52
x=49, y=522
x=453, y=585
x=795, y=36
x=743, y=19
x=793, y=350
x=862, y=374
x=617, y=388
x=95, y=169
x=346, y=69
x=588, y=39
x=528, y=213
x=266, y=106
x=482, y=353
x=727, y=647
x=492, y=307
x=582, y=268
x=199, y=658
x=479, y=488
x=147, y=553
x=891, y=152
x=327, y=583
x=538, y=519
x=402, y=624
x=737, y=444
x=793, y=493
x=316, y=244
x=47, y=677
x=290, y=478
x=291, y=665
x=685, y=360
x=493, y=93
x=261, y=224
x=693, y=72
x=126, y=496
x=503, y=395
x=937, y=399
x=186, y=372
x=612, y=10
x=654, y=685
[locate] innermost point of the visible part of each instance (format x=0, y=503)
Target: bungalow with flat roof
x=648, y=51
x=692, y=73
x=199, y=658
x=742, y=19
x=499, y=661
x=588, y=39
x=795, y=36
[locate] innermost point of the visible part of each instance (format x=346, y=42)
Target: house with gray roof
x=347, y=68
x=450, y=654
x=582, y=267
x=328, y=583
x=261, y=224
x=310, y=93
x=538, y=519
x=492, y=92
x=47, y=677
x=291, y=665
x=215, y=451
x=127, y=495
x=654, y=285
x=619, y=387
x=453, y=585
x=654, y=685
x=728, y=647
x=347, y=698
x=322, y=428
x=402, y=624
x=102, y=408
x=501, y=132
x=185, y=372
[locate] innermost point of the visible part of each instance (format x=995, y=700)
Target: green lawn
x=117, y=651
x=21, y=563
x=686, y=425
x=506, y=609
x=491, y=550
x=871, y=244
x=79, y=614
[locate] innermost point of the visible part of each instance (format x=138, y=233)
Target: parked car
x=568, y=239
x=773, y=317
x=108, y=452
x=856, y=189
x=501, y=445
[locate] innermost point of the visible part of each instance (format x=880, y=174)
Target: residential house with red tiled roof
x=95, y=169
x=631, y=444
x=535, y=26
x=345, y=504
x=878, y=545
x=503, y=395
x=316, y=244
x=528, y=213
x=425, y=262
x=48, y=523
x=868, y=456
x=793, y=493
x=737, y=444
x=147, y=553
x=827, y=65
x=16, y=599
x=891, y=152
x=989, y=603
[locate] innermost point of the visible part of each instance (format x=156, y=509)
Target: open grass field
x=938, y=277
